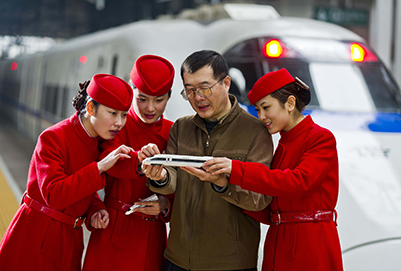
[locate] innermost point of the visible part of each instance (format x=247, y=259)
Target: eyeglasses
x=189, y=94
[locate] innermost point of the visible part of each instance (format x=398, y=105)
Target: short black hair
x=200, y=59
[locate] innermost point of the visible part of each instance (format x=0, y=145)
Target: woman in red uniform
x=303, y=179
x=136, y=241
x=46, y=232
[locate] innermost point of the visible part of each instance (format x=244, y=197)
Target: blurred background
x=30, y=25
x=347, y=51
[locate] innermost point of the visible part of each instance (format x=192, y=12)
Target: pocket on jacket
x=48, y=238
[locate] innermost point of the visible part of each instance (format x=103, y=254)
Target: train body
x=353, y=95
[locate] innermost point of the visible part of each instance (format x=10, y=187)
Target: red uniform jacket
x=130, y=242
x=304, y=177
x=63, y=176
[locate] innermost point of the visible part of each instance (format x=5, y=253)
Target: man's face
x=218, y=103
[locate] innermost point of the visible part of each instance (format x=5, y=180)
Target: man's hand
x=148, y=151
x=156, y=173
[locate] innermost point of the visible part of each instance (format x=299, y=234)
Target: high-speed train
x=353, y=95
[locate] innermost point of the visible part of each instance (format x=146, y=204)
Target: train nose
x=378, y=255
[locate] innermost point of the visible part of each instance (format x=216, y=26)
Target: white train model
x=353, y=95
x=176, y=160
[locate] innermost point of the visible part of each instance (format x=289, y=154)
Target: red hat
x=110, y=91
x=269, y=83
x=153, y=75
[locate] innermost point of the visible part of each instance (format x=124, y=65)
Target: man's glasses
x=189, y=94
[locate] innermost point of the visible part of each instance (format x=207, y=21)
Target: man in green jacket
x=201, y=209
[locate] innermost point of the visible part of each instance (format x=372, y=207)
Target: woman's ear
x=90, y=108
x=291, y=103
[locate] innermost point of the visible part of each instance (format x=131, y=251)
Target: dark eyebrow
x=201, y=83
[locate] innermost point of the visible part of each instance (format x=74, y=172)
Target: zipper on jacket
x=207, y=141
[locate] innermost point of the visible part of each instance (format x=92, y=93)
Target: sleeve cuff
x=158, y=184
x=219, y=189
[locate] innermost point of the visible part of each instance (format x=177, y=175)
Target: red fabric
x=269, y=83
x=304, y=177
x=130, y=242
x=153, y=75
x=110, y=91
x=63, y=176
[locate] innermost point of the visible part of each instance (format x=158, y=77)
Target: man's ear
x=90, y=108
x=227, y=82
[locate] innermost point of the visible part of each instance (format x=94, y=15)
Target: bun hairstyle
x=298, y=89
x=80, y=100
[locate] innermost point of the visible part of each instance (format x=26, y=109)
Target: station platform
x=15, y=155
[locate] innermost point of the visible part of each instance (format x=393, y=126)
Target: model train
x=176, y=160
x=353, y=95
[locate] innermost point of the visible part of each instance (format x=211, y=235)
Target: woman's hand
x=221, y=165
x=100, y=219
x=152, y=207
x=217, y=179
x=109, y=161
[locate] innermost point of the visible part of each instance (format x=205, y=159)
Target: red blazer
x=304, y=177
x=63, y=176
x=129, y=242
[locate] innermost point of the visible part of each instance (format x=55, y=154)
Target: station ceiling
x=70, y=18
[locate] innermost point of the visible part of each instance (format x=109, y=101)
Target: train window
x=100, y=62
x=298, y=68
x=243, y=76
x=50, y=99
x=64, y=105
x=244, y=68
x=381, y=87
x=114, y=65
x=12, y=87
x=247, y=48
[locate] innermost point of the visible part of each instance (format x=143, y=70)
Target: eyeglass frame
x=184, y=94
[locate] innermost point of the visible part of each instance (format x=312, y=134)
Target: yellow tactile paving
x=8, y=204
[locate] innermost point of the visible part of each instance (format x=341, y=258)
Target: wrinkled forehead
x=200, y=77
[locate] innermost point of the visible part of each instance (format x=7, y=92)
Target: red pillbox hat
x=269, y=83
x=110, y=91
x=153, y=75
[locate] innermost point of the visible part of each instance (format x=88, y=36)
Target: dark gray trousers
x=169, y=266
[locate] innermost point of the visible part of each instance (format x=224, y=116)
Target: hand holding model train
x=157, y=172
x=153, y=162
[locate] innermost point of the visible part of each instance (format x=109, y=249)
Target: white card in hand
x=133, y=207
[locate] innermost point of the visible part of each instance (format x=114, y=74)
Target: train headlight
x=357, y=53
x=360, y=53
x=273, y=48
